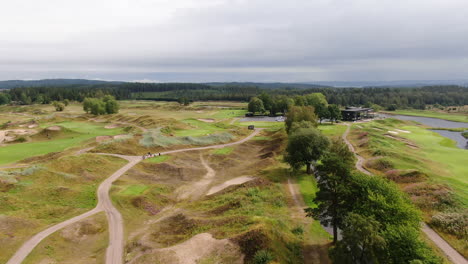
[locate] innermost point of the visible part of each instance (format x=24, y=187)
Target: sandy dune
x=235, y=181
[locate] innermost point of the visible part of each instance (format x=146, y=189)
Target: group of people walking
x=150, y=155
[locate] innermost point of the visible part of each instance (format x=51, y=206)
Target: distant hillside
x=401, y=83
x=48, y=82
x=269, y=85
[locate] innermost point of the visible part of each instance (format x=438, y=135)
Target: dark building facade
x=356, y=113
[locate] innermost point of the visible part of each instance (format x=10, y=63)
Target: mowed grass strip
x=223, y=151
x=158, y=159
x=135, y=189
x=200, y=128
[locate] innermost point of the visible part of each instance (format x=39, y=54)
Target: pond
x=438, y=123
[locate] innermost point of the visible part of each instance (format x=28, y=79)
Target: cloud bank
x=234, y=40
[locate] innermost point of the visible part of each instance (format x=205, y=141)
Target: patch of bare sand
x=197, y=189
x=103, y=138
x=119, y=136
x=403, y=131
x=54, y=128
x=111, y=126
x=33, y=126
x=206, y=120
x=201, y=247
x=392, y=132
x=235, y=181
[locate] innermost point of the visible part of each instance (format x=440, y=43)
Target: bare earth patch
x=403, y=131
x=111, y=126
x=54, y=128
x=201, y=247
x=206, y=120
x=235, y=181
x=103, y=138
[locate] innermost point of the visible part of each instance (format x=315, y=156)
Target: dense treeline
x=400, y=97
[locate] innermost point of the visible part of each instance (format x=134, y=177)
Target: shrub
x=452, y=223
x=263, y=256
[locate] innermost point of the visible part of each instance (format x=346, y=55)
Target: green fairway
x=262, y=124
x=223, y=151
x=158, y=159
x=457, y=117
x=436, y=156
x=199, y=128
x=134, y=189
x=332, y=130
x=20, y=151
x=229, y=113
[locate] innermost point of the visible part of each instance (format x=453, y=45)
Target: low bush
x=263, y=257
x=452, y=223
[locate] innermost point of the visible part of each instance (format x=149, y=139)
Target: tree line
x=378, y=222
x=385, y=97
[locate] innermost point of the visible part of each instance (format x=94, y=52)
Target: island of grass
x=64, y=135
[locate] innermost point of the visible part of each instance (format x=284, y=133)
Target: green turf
x=436, y=156
x=229, y=113
x=20, y=151
x=158, y=159
x=308, y=188
x=136, y=189
x=457, y=117
x=199, y=128
x=223, y=151
x=332, y=130
x=261, y=124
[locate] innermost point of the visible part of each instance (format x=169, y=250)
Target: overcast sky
x=234, y=40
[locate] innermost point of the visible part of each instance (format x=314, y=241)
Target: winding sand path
x=448, y=250
x=115, y=250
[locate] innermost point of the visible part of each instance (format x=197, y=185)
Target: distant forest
x=401, y=97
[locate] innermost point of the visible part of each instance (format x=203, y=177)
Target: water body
x=436, y=123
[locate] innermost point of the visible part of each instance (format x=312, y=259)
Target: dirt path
x=226, y=184
x=114, y=253
x=448, y=250
x=313, y=251
x=360, y=160
x=197, y=189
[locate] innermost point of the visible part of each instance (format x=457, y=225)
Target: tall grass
x=154, y=138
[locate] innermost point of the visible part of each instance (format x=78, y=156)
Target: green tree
x=335, y=112
x=59, y=107
x=184, y=101
x=305, y=146
x=333, y=197
x=4, y=99
x=300, y=113
x=256, y=105
x=361, y=241
x=66, y=102
x=268, y=103
x=87, y=102
x=111, y=105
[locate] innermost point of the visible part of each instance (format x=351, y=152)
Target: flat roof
x=355, y=109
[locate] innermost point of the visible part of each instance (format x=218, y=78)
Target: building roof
x=357, y=109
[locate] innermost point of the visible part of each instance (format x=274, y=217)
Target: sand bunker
x=392, y=132
x=198, y=248
x=235, y=181
x=207, y=120
x=33, y=126
x=54, y=128
x=103, y=138
x=111, y=126
x=120, y=136
x=403, y=131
